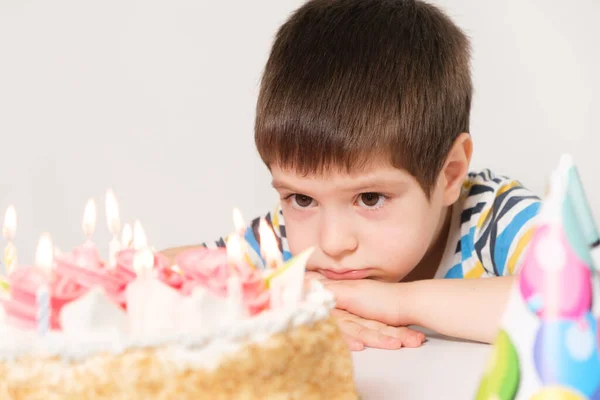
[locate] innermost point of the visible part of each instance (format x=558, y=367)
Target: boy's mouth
x=345, y=274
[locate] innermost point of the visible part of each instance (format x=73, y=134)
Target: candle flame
x=139, y=236
x=44, y=254
x=10, y=223
x=238, y=221
x=127, y=236
x=112, y=213
x=268, y=245
x=235, y=252
x=89, y=218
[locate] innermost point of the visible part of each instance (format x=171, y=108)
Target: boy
x=363, y=121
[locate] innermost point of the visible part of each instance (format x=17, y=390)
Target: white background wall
x=155, y=98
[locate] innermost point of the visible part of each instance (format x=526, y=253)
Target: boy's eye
x=370, y=200
x=301, y=201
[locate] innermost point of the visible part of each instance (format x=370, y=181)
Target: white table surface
x=442, y=368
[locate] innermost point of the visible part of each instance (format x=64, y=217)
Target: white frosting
x=197, y=348
x=152, y=308
x=93, y=314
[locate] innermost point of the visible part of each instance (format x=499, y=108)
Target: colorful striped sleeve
x=505, y=227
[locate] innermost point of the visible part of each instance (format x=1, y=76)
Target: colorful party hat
x=548, y=343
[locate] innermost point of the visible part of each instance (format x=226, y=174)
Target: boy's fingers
x=372, y=338
x=410, y=337
x=342, y=292
x=353, y=344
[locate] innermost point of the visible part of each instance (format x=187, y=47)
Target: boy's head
x=362, y=118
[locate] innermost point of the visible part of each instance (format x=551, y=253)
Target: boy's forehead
x=377, y=172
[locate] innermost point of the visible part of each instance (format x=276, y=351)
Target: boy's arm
x=173, y=252
x=464, y=308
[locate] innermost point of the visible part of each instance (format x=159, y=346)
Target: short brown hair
x=351, y=80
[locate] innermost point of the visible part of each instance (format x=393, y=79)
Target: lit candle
x=89, y=219
x=240, y=231
x=238, y=222
x=286, y=283
x=8, y=231
x=87, y=255
x=235, y=257
x=44, y=259
x=139, y=236
x=150, y=302
x=127, y=236
x=114, y=226
x=235, y=252
x=143, y=262
x=268, y=246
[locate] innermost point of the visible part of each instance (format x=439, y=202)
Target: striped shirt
x=492, y=224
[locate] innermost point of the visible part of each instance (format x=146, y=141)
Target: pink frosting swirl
x=125, y=263
x=210, y=269
x=97, y=274
x=21, y=307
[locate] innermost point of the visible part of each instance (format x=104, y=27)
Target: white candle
x=137, y=292
x=286, y=284
x=240, y=231
x=89, y=219
x=44, y=259
x=127, y=237
x=8, y=231
x=42, y=296
x=269, y=246
x=151, y=305
x=114, y=226
x=139, y=236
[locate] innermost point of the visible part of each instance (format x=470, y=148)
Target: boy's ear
x=456, y=167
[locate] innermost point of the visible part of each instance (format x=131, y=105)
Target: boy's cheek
x=301, y=236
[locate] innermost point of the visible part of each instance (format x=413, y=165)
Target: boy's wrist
x=407, y=295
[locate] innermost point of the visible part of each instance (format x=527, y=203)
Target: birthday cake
x=74, y=326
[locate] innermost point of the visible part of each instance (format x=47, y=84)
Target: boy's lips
x=345, y=274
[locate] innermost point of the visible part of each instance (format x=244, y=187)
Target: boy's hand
x=463, y=308
x=367, y=314
x=360, y=333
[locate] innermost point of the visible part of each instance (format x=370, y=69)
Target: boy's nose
x=337, y=238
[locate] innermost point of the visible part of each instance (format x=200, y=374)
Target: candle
x=43, y=260
x=150, y=302
x=139, y=236
x=89, y=219
x=8, y=231
x=240, y=231
x=114, y=226
x=238, y=222
x=286, y=283
x=235, y=255
x=127, y=237
x=87, y=255
x=268, y=246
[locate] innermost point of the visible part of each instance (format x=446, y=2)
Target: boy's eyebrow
x=374, y=185
x=276, y=184
x=366, y=185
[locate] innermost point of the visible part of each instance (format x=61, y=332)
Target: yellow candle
x=8, y=231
